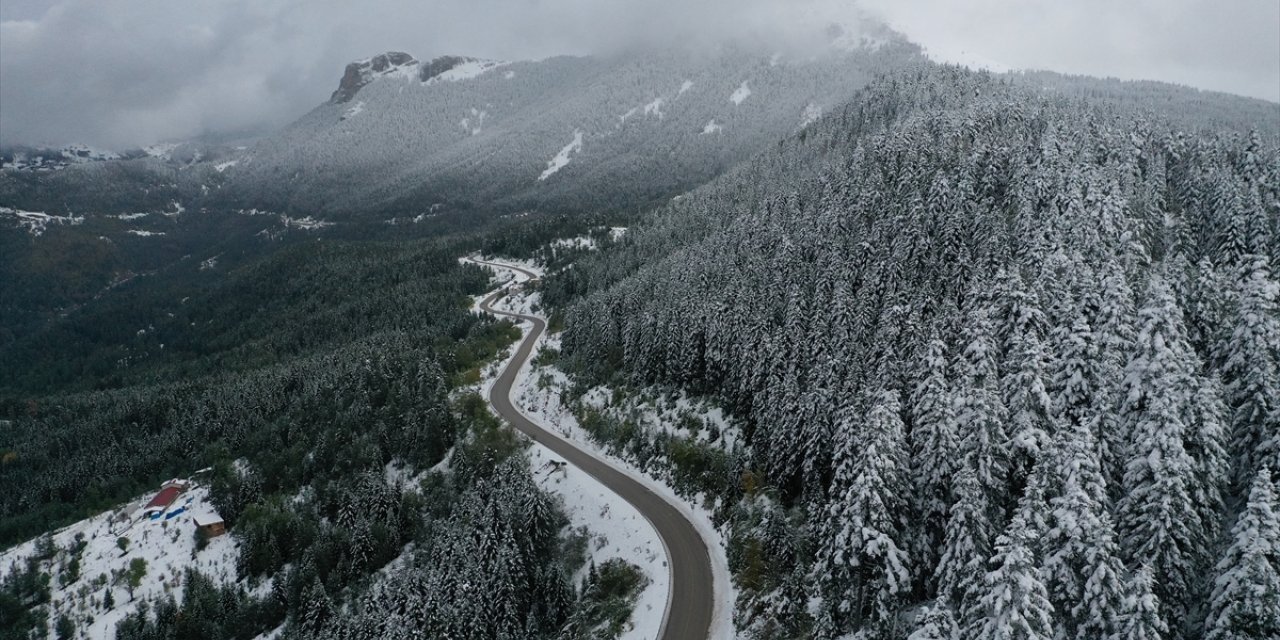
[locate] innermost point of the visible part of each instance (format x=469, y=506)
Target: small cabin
x=210, y=523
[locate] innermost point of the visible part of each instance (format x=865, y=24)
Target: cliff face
x=362, y=72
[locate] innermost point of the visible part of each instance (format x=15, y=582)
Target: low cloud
x=118, y=73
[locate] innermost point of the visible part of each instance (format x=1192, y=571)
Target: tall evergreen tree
x=1246, y=594
x=1158, y=521
x=934, y=449
x=863, y=558
x=1251, y=370
x=1014, y=604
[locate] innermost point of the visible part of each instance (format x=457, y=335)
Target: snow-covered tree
x=936, y=622
x=1014, y=603
x=1251, y=370
x=934, y=449
x=1246, y=594
x=967, y=544
x=1159, y=523
x=1082, y=567
x=1142, y=619
x=863, y=558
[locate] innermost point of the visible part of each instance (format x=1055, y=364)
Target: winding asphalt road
x=691, y=600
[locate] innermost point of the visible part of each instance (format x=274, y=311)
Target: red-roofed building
x=160, y=503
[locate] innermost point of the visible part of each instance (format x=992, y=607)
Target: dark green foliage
x=608, y=595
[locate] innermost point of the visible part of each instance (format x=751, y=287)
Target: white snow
x=160, y=150
x=85, y=153
x=168, y=546
x=144, y=233
x=131, y=216
x=579, y=242
x=477, y=117
x=35, y=222
x=354, y=110
x=465, y=71
x=210, y=263
x=654, y=108
x=810, y=115
x=223, y=166
x=307, y=223
x=684, y=86
x=631, y=112
x=509, y=75
x=740, y=94
x=616, y=232
x=774, y=59
x=562, y=157
x=712, y=127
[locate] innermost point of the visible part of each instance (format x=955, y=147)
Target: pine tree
x=936, y=622
x=1142, y=619
x=316, y=608
x=1014, y=604
x=1082, y=568
x=1246, y=594
x=934, y=448
x=1251, y=370
x=864, y=564
x=1159, y=523
x=980, y=414
x=967, y=544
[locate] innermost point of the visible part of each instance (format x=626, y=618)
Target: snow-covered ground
x=562, y=157
x=538, y=392
x=741, y=93
x=35, y=222
x=167, y=546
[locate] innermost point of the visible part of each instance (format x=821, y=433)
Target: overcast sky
x=116, y=73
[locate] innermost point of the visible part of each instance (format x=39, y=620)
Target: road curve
x=691, y=600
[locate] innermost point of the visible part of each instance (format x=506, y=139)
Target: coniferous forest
x=1007, y=361
x=1000, y=354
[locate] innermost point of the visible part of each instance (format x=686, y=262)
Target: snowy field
x=167, y=546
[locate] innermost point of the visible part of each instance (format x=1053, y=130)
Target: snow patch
x=354, y=110
x=35, y=222
x=654, y=108
x=562, y=157
x=740, y=94
x=465, y=71
x=810, y=115
x=712, y=127
x=144, y=233
x=307, y=223
x=223, y=166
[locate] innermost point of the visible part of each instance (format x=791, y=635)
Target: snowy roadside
x=542, y=404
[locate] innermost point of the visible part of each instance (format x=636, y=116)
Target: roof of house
x=205, y=518
x=165, y=498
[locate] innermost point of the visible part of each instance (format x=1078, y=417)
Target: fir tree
x=865, y=564
x=1142, y=619
x=1246, y=594
x=1014, y=603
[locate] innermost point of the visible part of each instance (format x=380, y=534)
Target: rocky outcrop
x=440, y=65
x=362, y=72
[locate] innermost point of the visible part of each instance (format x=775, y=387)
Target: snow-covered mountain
x=402, y=135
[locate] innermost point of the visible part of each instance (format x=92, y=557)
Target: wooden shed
x=210, y=523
